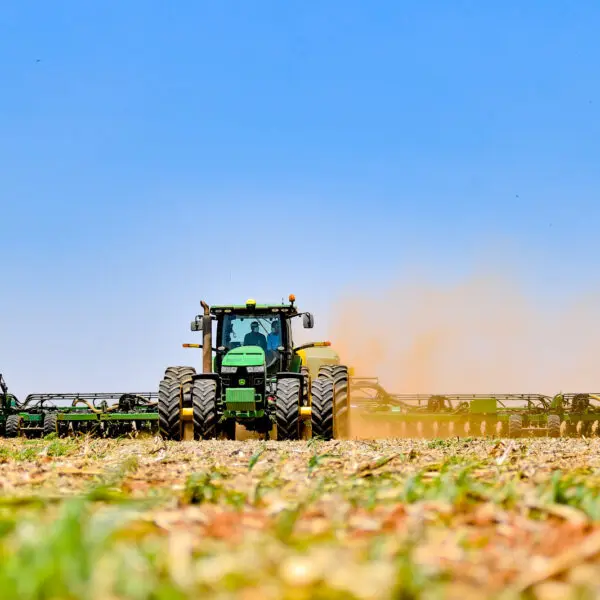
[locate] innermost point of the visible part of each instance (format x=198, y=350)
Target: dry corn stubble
x=278, y=519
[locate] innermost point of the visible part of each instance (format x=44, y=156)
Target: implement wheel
x=13, y=426
x=322, y=413
x=50, y=424
x=287, y=408
x=515, y=426
x=204, y=403
x=553, y=426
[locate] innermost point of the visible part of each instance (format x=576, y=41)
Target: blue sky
x=331, y=146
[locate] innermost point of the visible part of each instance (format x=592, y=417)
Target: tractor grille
x=240, y=399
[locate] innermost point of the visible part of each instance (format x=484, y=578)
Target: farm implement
x=103, y=414
x=377, y=411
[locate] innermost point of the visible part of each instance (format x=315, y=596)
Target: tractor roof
x=251, y=307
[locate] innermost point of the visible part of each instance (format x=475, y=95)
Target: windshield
x=252, y=330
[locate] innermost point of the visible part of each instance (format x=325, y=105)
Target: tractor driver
x=255, y=338
x=274, y=338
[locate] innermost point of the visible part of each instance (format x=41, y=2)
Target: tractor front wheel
x=204, y=405
x=287, y=408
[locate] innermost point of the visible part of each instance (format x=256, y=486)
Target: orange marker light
x=292, y=298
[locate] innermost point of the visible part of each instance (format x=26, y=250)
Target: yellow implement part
x=187, y=414
x=305, y=411
x=316, y=356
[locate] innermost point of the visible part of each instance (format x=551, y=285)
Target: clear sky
x=155, y=153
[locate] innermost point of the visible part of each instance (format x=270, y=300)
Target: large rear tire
x=204, y=403
x=169, y=410
x=184, y=376
x=287, y=408
x=326, y=370
x=338, y=374
x=13, y=426
x=179, y=373
x=50, y=424
x=322, y=412
x=174, y=391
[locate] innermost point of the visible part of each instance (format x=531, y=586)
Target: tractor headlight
x=256, y=369
x=228, y=369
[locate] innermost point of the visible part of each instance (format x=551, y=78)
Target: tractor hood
x=244, y=356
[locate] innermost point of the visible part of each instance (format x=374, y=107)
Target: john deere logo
x=242, y=382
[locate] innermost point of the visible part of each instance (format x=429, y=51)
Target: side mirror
x=308, y=321
x=196, y=324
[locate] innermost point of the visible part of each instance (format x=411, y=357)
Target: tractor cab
x=267, y=327
x=265, y=331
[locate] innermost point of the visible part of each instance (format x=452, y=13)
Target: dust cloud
x=482, y=335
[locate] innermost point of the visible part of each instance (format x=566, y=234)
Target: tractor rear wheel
x=515, y=426
x=326, y=370
x=322, y=413
x=179, y=373
x=338, y=374
x=553, y=425
x=174, y=390
x=13, y=426
x=204, y=403
x=287, y=408
x=169, y=410
x=50, y=424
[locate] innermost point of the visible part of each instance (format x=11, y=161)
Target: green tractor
x=254, y=376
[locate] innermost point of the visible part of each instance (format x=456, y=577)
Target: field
x=147, y=519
